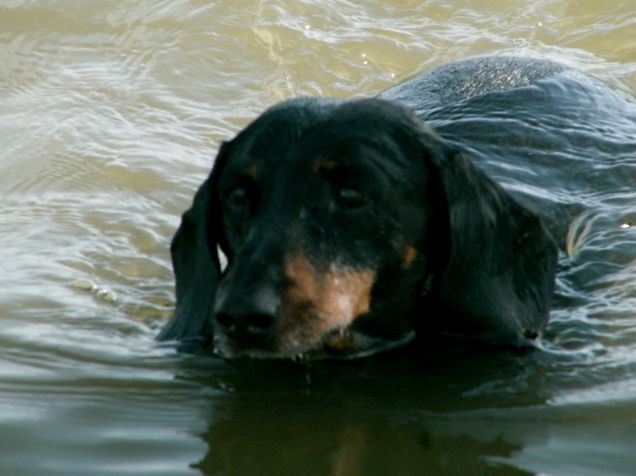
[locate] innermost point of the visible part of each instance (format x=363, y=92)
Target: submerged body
x=351, y=227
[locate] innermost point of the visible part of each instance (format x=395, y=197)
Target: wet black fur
x=485, y=266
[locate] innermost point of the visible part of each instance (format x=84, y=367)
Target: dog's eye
x=348, y=197
x=238, y=197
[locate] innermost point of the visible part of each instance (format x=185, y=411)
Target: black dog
x=351, y=227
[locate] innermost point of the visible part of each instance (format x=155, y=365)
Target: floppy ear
x=196, y=265
x=499, y=278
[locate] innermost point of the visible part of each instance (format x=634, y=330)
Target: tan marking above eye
x=408, y=256
x=252, y=171
x=324, y=165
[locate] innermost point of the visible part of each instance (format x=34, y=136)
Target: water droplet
x=84, y=285
x=106, y=295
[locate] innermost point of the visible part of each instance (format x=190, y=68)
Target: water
x=110, y=115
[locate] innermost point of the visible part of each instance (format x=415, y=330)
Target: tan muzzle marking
x=335, y=299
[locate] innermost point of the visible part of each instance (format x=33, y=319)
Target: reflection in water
x=440, y=412
x=346, y=447
x=348, y=419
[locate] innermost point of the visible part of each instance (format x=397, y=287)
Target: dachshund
x=342, y=228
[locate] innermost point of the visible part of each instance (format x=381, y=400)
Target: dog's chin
x=344, y=344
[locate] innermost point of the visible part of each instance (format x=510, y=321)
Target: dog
x=351, y=227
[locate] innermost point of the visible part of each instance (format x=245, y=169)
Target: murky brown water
x=110, y=115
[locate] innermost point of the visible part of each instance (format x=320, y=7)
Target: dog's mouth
x=343, y=343
x=352, y=344
x=324, y=313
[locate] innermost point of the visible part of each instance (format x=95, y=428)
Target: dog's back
x=544, y=131
x=455, y=82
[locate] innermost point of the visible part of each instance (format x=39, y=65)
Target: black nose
x=247, y=320
x=243, y=327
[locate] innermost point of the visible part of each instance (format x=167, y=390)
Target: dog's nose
x=247, y=320
x=245, y=327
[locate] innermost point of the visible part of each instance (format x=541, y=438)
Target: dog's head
x=339, y=228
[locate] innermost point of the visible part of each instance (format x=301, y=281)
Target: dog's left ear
x=196, y=265
x=498, y=281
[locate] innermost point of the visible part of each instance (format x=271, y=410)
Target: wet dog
x=351, y=227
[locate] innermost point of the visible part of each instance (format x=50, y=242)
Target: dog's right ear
x=498, y=282
x=196, y=264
